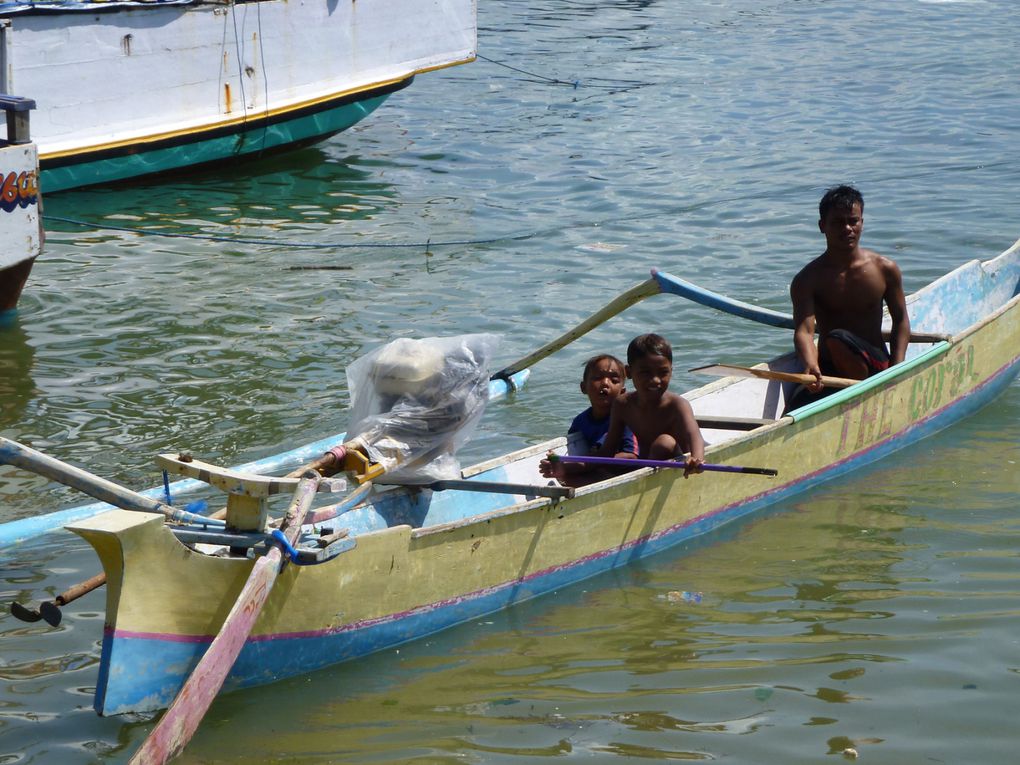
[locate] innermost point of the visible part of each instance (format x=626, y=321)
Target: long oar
x=181, y=720
x=19, y=455
x=636, y=463
x=50, y=609
x=729, y=370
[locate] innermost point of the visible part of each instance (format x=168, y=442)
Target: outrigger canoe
x=408, y=561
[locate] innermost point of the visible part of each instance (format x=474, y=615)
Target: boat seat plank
x=718, y=422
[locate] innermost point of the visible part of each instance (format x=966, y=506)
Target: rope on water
x=575, y=84
x=294, y=245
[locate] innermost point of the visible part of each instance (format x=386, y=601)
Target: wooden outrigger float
x=409, y=561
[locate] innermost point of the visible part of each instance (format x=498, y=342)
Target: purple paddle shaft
x=618, y=462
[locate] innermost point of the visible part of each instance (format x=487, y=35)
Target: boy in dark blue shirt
x=603, y=380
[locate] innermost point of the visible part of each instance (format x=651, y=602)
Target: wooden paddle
x=181, y=720
x=728, y=370
x=636, y=463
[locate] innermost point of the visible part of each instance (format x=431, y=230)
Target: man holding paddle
x=839, y=295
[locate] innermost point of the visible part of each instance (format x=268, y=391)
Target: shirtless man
x=839, y=296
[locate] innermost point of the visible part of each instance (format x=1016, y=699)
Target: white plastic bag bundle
x=414, y=403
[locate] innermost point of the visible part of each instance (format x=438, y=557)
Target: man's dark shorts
x=875, y=358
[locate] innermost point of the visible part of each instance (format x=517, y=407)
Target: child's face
x=603, y=383
x=651, y=376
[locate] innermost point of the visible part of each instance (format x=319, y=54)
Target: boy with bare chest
x=663, y=423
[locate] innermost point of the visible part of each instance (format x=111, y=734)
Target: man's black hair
x=839, y=198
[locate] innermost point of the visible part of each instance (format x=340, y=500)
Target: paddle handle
x=828, y=381
x=632, y=463
x=731, y=370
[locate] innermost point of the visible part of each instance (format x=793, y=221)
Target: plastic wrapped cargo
x=415, y=402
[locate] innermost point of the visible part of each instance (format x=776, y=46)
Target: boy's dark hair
x=590, y=364
x=649, y=345
x=839, y=198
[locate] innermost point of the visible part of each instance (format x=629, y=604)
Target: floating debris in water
x=600, y=247
x=763, y=694
x=677, y=596
x=850, y=753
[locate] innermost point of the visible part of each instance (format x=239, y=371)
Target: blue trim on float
x=674, y=285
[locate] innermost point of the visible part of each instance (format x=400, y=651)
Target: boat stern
x=150, y=645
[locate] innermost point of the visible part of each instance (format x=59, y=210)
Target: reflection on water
x=278, y=199
x=16, y=386
x=820, y=626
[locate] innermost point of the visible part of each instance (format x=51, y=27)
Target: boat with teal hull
x=135, y=88
x=221, y=144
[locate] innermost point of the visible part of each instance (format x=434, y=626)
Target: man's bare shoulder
x=812, y=270
x=887, y=266
x=808, y=278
